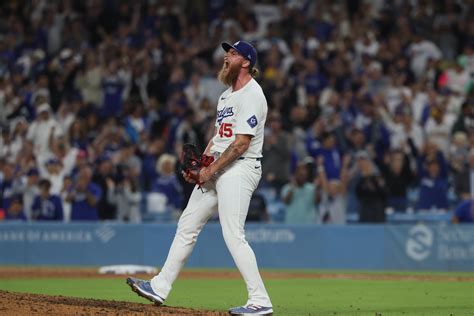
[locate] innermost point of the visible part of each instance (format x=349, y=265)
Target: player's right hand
x=205, y=174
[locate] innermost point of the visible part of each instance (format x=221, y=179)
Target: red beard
x=229, y=73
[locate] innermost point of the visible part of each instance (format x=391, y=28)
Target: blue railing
x=154, y=209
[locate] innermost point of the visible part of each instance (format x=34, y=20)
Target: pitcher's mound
x=34, y=304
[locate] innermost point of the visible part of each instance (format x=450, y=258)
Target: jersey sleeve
x=250, y=115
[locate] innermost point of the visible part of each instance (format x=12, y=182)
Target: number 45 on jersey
x=225, y=130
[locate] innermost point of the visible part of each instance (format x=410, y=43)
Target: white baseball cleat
x=143, y=289
x=251, y=309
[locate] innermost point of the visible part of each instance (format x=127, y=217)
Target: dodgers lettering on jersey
x=225, y=112
x=241, y=112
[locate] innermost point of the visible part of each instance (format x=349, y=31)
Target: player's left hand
x=189, y=177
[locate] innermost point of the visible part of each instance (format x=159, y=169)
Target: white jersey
x=241, y=112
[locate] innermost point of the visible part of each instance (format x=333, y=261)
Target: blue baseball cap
x=245, y=49
x=32, y=172
x=53, y=161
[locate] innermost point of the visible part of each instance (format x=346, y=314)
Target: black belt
x=242, y=158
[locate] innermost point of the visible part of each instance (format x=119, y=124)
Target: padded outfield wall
x=369, y=247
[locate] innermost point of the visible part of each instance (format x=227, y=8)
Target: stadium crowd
x=371, y=105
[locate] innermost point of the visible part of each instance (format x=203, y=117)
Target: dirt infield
x=34, y=304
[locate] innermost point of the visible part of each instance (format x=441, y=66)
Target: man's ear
x=246, y=64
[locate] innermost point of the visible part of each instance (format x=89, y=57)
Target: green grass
x=290, y=296
x=469, y=274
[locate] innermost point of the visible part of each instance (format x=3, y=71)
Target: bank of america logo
x=105, y=233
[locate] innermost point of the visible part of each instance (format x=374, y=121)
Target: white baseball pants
x=229, y=193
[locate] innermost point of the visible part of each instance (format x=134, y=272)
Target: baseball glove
x=192, y=161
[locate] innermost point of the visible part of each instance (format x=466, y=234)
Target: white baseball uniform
x=241, y=112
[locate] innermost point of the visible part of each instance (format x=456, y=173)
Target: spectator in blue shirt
x=332, y=157
x=9, y=185
x=113, y=86
x=377, y=134
x=314, y=80
x=464, y=212
x=84, y=196
x=322, y=28
x=431, y=152
x=45, y=205
x=167, y=182
x=135, y=123
x=433, y=189
x=15, y=209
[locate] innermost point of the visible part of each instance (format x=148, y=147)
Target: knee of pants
x=188, y=232
x=233, y=238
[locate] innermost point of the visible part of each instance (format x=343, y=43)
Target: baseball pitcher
x=227, y=182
